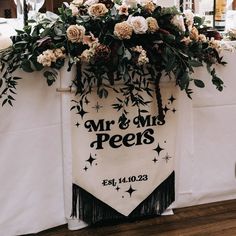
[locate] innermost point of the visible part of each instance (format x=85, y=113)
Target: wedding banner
x=123, y=169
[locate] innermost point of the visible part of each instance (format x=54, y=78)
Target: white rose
x=189, y=15
x=90, y=2
x=77, y=2
x=178, y=21
x=139, y=24
x=44, y=61
x=130, y=3
x=142, y=59
x=49, y=55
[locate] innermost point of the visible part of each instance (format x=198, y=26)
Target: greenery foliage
x=135, y=43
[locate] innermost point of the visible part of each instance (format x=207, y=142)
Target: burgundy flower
x=108, y=3
x=102, y=53
x=46, y=41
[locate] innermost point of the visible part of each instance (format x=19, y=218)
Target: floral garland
x=109, y=42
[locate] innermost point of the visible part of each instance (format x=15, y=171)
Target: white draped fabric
x=31, y=170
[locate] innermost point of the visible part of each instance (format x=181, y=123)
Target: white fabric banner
x=121, y=165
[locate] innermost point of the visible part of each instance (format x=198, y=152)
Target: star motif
x=167, y=157
x=158, y=149
x=77, y=124
x=171, y=99
x=97, y=107
x=117, y=188
x=165, y=109
x=155, y=160
x=91, y=160
x=130, y=191
x=82, y=113
x=85, y=168
x=174, y=110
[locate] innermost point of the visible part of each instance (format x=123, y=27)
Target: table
x=35, y=169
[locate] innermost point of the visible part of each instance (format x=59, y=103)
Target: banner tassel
x=91, y=210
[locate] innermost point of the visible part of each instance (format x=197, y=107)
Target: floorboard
x=214, y=219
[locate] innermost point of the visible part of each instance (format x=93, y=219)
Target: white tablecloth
x=31, y=170
x=35, y=156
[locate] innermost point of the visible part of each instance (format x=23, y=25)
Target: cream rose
x=87, y=55
x=97, y=10
x=123, y=30
x=150, y=7
x=130, y=3
x=142, y=58
x=152, y=24
x=46, y=58
x=139, y=24
x=75, y=33
x=194, y=34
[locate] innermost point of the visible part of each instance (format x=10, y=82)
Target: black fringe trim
x=91, y=210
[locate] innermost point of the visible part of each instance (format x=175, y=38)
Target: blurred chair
x=234, y=5
x=7, y=9
x=52, y=5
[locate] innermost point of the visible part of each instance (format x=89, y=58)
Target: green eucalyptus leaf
x=50, y=76
x=183, y=81
x=121, y=50
x=46, y=32
x=127, y=54
x=199, y=83
x=19, y=32
x=26, y=66
x=9, y=102
x=57, y=31
x=16, y=78
x=4, y=102
x=195, y=63
x=171, y=64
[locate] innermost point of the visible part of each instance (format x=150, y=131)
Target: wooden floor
x=215, y=219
